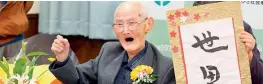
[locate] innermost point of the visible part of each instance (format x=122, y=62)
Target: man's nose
x=126, y=30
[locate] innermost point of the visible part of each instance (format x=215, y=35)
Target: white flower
x=183, y=19
x=33, y=81
x=20, y=79
x=141, y=75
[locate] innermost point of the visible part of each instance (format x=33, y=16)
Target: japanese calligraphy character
x=200, y=43
x=209, y=74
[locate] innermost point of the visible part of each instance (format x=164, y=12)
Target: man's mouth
x=129, y=39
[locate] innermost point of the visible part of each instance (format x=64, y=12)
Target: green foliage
x=20, y=66
x=22, y=63
x=4, y=65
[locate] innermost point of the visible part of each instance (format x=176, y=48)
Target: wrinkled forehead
x=126, y=15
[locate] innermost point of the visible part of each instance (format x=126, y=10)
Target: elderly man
x=116, y=59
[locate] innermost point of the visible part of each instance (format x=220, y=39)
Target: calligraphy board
x=206, y=47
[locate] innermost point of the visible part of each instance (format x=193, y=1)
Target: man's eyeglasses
x=119, y=27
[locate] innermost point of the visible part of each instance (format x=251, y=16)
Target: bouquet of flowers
x=21, y=63
x=143, y=74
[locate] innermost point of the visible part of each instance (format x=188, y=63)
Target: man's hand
x=250, y=42
x=60, y=48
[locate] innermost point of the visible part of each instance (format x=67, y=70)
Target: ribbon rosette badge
x=143, y=74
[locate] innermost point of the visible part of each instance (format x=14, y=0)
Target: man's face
x=130, y=29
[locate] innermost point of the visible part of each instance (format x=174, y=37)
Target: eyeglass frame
x=127, y=23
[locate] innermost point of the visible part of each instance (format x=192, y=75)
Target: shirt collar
x=136, y=57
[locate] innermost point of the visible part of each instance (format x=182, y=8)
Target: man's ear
x=149, y=24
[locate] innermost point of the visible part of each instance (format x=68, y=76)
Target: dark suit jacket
x=256, y=65
x=105, y=67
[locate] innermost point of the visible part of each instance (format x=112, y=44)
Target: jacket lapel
x=112, y=69
x=147, y=59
